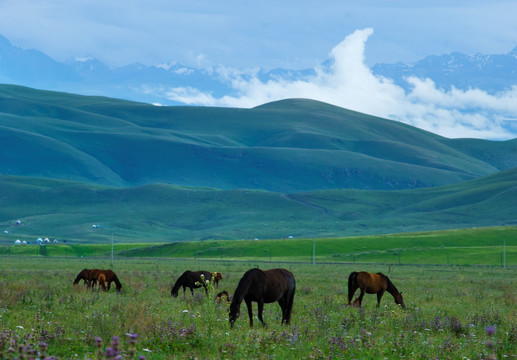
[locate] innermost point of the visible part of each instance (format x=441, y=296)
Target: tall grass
x=452, y=312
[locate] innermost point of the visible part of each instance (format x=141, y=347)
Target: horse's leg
x=360, y=298
x=288, y=308
x=109, y=284
x=283, y=305
x=260, y=309
x=379, y=297
x=250, y=311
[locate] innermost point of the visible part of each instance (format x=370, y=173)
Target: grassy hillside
x=165, y=213
x=287, y=146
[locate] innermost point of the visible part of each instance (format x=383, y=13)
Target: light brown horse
x=102, y=282
x=216, y=276
x=371, y=284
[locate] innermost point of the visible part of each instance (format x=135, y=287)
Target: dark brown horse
x=109, y=277
x=83, y=275
x=372, y=284
x=223, y=296
x=192, y=280
x=264, y=287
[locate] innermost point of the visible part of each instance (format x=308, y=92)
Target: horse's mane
x=179, y=282
x=244, y=284
x=82, y=275
x=117, y=281
x=391, y=288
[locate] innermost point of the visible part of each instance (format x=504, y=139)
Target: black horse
x=264, y=286
x=192, y=280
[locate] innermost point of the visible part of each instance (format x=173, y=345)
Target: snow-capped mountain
x=491, y=73
x=153, y=84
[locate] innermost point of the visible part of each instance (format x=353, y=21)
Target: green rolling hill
x=165, y=213
x=288, y=146
x=293, y=168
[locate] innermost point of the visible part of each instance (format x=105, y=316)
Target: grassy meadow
x=451, y=313
x=474, y=246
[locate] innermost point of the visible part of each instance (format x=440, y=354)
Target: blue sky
x=242, y=34
x=237, y=37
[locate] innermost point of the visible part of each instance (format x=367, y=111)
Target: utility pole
x=112, y=248
x=504, y=253
x=313, y=252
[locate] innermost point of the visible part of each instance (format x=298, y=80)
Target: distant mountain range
x=143, y=83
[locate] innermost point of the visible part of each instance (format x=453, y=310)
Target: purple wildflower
x=98, y=342
x=110, y=352
x=490, y=330
x=115, y=342
x=43, y=346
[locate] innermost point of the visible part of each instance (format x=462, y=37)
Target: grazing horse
x=92, y=277
x=109, y=277
x=102, y=281
x=372, y=284
x=83, y=275
x=216, y=276
x=223, y=296
x=192, y=280
x=264, y=286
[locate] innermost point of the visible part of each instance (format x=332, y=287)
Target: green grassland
x=451, y=312
x=165, y=213
x=478, y=246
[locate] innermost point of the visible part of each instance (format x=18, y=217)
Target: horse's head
x=234, y=312
x=399, y=300
x=174, y=292
x=223, y=296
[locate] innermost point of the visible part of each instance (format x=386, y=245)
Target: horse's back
x=283, y=275
x=279, y=282
x=371, y=282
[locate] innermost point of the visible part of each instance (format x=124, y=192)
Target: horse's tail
x=290, y=300
x=352, y=285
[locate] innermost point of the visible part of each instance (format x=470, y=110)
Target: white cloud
x=350, y=84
